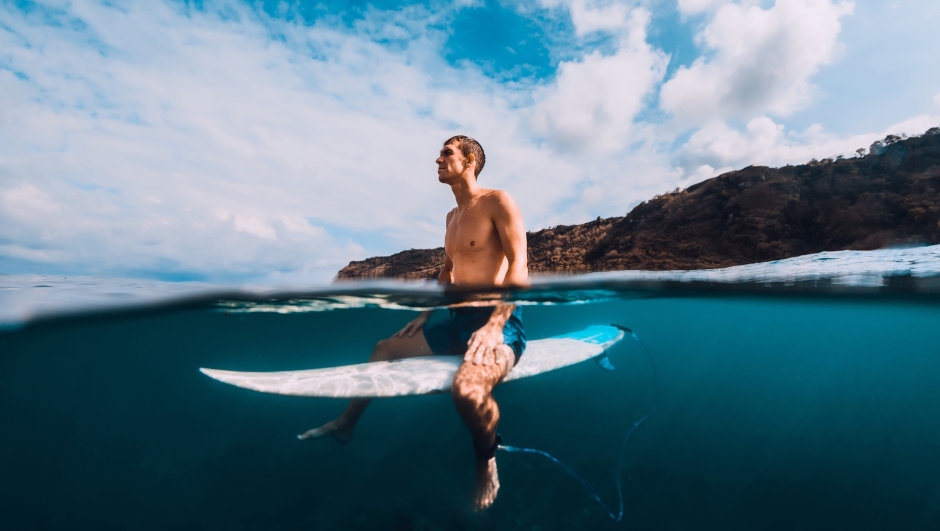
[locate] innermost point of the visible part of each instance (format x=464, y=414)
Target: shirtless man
x=485, y=245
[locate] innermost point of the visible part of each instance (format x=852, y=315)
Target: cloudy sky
x=275, y=141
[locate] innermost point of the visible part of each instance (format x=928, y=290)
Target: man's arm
x=511, y=230
x=445, y=276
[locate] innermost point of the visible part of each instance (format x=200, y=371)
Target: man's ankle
x=489, y=453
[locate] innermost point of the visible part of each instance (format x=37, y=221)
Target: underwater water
x=795, y=395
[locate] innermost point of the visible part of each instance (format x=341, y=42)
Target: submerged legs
x=393, y=348
x=472, y=393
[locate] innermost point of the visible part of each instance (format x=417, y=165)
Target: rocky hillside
x=886, y=197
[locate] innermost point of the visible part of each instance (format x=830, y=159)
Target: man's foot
x=336, y=429
x=487, y=484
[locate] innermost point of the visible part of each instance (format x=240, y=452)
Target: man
x=485, y=245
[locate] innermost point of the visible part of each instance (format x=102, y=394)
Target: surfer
x=485, y=245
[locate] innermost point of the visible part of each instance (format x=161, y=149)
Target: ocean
x=800, y=394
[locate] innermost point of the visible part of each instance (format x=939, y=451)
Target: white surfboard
x=421, y=376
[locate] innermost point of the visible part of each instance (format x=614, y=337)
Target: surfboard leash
x=619, y=515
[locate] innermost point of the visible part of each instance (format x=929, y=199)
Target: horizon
x=226, y=141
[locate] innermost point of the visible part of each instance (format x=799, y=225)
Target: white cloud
x=590, y=16
x=249, y=225
x=761, y=60
x=592, y=105
x=185, y=115
x=32, y=255
x=176, y=139
x=295, y=224
x=717, y=148
x=693, y=7
x=28, y=204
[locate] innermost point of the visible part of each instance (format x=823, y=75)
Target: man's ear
x=471, y=159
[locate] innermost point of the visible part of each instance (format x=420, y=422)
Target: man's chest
x=470, y=232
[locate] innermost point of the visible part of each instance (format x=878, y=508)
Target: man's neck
x=464, y=191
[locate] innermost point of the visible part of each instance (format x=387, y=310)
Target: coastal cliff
x=887, y=197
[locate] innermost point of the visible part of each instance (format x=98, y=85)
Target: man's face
x=451, y=164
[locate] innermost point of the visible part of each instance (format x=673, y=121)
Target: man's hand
x=481, y=349
x=412, y=328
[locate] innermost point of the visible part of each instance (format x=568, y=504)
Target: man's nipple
x=472, y=243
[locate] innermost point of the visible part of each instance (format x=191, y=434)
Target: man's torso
x=473, y=244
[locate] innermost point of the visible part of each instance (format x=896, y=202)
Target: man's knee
x=381, y=351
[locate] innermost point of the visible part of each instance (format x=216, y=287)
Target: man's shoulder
x=498, y=196
x=500, y=205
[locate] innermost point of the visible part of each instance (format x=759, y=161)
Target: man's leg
x=472, y=391
x=393, y=348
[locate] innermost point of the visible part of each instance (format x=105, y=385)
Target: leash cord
x=619, y=515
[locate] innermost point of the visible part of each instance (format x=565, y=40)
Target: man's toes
x=308, y=434
x=329, y=428
x=486, y=494
x=487, y=498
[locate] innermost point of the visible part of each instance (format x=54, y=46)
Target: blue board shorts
x=450, y=336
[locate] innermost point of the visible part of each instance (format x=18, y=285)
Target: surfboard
x=424, y=375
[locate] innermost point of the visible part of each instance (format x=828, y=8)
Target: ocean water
x=801, y=394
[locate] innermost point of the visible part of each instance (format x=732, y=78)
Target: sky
x=275, y=141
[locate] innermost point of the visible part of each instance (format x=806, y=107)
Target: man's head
x=460, y=153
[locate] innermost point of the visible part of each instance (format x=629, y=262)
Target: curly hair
x=467, y=146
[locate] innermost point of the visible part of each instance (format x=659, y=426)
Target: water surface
x=795, y=395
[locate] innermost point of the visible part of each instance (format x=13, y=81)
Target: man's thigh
x=396, y=348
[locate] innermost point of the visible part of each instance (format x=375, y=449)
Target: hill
x=886, y=197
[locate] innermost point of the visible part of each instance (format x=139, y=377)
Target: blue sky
x=275, y=141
